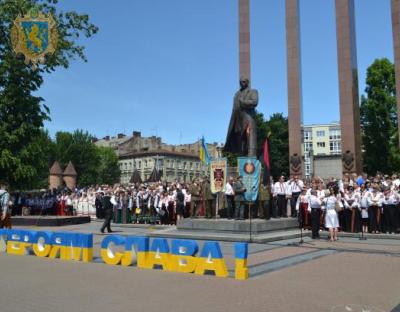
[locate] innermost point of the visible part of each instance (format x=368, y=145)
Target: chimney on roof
x=107, y=138
x=137, y=134
x=121, y=135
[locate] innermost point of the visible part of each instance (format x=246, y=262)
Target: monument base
x=255, y=226
x=48, y=220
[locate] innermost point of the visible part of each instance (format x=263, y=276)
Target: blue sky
x=170, y=68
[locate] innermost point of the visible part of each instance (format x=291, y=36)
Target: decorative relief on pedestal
x=348, y=161
x=295, y=163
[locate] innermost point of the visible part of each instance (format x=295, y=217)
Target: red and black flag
x=267, y=170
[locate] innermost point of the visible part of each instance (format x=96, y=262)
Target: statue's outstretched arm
x=251, y=101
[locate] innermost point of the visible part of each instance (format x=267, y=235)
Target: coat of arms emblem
x=295, y=162
x=34, y=36
x=348, y=161
x=249, y=167
x=219, y=178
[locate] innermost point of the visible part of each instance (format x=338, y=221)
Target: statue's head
x=244, y=82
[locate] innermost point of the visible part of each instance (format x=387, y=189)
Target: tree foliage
x=379, y=119
x=22, y=113
x=108, y=171
x=278, y=129
x=93, y=164
x=78, y=148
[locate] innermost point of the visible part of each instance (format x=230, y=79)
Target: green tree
x=22, y=114
x=262, y=133
x=278, y=128
x=78, y=148
x=93, y=164
x=379, y=119
x=108, y=171
x=45, y=158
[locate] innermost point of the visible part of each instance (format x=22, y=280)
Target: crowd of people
x=352, y=204
x=164, y=202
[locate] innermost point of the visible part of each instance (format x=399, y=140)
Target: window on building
x=307, y=146
x=335, y=134
x=184, y=165
x=307, y=135
x=335, y=147
x=307, y=170
x=140, y=164
x=160, y=163
x=320, y=133
x=321, y=144
x=145, y=163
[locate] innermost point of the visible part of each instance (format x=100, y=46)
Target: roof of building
x=70, y=170
x=56, y=169
x=110, y=140
x=332, y=124
x=159, y=153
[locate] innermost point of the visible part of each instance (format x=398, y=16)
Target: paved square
x=314, y=277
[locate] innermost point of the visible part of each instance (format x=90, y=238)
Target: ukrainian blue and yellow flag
x=204, y=155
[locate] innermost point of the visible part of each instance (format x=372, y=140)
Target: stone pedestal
x=256, y=226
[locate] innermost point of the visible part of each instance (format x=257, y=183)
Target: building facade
x=175, y=162
x=173, y=165
x=322, y=144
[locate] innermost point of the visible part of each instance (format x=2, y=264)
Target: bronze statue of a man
x=242, y=131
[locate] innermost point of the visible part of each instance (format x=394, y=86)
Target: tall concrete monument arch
x=295, y=115
x=348, y=85
x=244, y=39
x=347, y=73
x=396, y=47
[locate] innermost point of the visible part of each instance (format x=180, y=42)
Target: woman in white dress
x=92, y=206
x=331, y=216
x=75, y=203
x=83, y=204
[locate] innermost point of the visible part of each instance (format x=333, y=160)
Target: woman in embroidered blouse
x=331, y=216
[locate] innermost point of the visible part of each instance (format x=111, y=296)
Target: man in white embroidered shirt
x=295, y=186
x=279, y=193
x=314, y=204
x=230, y=198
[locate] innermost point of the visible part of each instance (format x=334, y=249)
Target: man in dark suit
x=108, y=212
x=99, y=208
x=239, y=199
x=242, y=131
